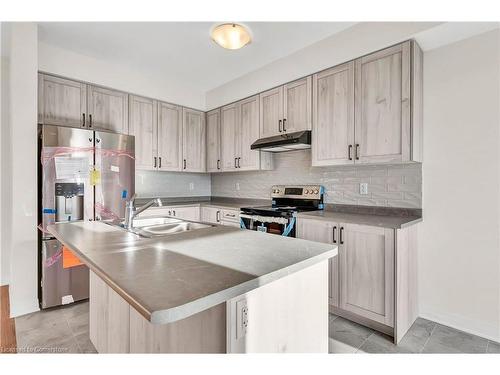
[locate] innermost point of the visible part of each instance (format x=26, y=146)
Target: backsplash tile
x=171, y=184
x=388, y=185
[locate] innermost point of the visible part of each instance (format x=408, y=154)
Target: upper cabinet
x=61, y=101
x=213, y=141
x=71, y=103
x=107, y=109
x=169, y=137
x=286, y=109
x=239, y=129
x=333, y=109
x=193, y=141
x=385, y=109
x=143, y=126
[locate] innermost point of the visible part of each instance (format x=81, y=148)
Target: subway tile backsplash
x=171, y=184
x=388, y=185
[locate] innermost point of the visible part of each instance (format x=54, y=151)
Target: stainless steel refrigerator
x=83, y=175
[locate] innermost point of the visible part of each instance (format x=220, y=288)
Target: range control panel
x=297, y=191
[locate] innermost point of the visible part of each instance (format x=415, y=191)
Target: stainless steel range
x=280, y=217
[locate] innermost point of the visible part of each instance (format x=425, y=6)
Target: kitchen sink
x=162, y=226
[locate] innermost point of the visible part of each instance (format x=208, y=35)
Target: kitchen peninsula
x=217, y=289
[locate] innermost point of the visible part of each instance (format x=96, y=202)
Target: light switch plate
x=237, y=186
x=363, y=188
x=191, y=186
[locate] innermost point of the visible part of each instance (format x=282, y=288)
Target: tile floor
x=66, y=330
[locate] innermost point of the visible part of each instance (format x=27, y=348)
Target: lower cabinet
x=211, y=214
x=373, y=279
x=218, y=215
x=191, y=213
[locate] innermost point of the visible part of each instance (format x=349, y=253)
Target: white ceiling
x=184, y=50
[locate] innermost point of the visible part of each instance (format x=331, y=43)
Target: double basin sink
x=162, y=226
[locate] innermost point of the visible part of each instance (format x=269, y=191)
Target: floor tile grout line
x=428, y=338
x=363, y=343
x=73, y=335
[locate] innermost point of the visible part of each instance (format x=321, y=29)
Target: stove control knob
x=306, y=191
x=316, y=191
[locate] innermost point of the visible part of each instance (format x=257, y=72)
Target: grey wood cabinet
x=228, y=136
x=369, y=111
x=213, y=141
x=239, y=129
x=144, y=127
x=193, y=141
x=61, y=101
x=333, y=115
x=107, y=109
x=211, y=215
x=286, y=109
x=366, y=263
x=326, y=232
x=373, y=281
x=170, y=137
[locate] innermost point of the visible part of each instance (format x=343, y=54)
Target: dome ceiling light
x=231, y=35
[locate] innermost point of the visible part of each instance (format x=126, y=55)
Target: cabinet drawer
x=231, y=215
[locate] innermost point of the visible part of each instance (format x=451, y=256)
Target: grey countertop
x=172, y=277
x=386, y=221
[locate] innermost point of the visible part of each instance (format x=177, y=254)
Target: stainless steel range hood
x=284, y=142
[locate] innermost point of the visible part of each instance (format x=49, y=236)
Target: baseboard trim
x=461, y=325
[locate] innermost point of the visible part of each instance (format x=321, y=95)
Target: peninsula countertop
x=172, y=277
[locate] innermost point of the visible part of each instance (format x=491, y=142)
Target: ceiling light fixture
x=231, y=35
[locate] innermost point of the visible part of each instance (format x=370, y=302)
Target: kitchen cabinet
x=382, y=121
x=193, y=141
x=61, y=101
x=326, y=232
x=229, y=136
x=170, y=137
x=143, y=126
x=191, y=213
x=213, y=141
x=211, y=215
x=107, y=109
x=374, y=281
x=333, y=109
x=239, y=129
x=286, y=109
x=366, y=263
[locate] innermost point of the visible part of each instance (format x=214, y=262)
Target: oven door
x=269, y=224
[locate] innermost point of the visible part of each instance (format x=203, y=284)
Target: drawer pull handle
x=341, y=235
x=334, y=230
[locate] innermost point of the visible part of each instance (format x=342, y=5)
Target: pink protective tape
x=40, y=228
x=49, y=154
x=105, y=213
x=54, y=258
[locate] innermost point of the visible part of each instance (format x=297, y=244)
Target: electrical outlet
x=363, y=188
x=241, y=318
x=237, y=186
x=191, y=186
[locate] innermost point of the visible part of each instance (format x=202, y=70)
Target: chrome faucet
x=131, y=212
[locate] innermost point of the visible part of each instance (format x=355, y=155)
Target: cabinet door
x=271, y=112
x=248, y=133
x=297, y=102
x=383, y=106
x=213, y=141
x=326, y=232
x=169, y=137
x=333, y=116
x=211, y=215
x=187, y=213
x=193, y=140
x=108, y=109
x=367, y=272
x=143, y=126
x=228, y=132
x=62, y=101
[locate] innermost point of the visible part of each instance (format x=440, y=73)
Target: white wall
x=4, y=224
x=56, y=60
x=20, y=167
x=459, y=254
x=351, y=43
